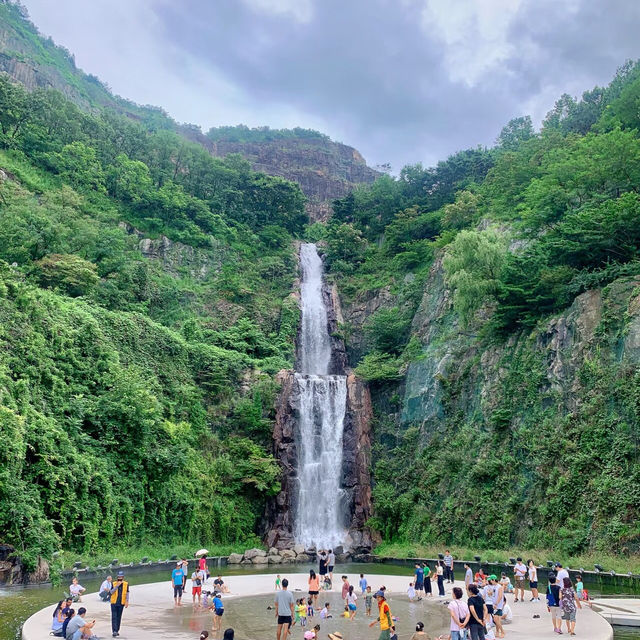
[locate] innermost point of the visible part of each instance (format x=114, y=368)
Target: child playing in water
x=411, y=592
x=345, y=613
x=310, y=608
x=368, y=599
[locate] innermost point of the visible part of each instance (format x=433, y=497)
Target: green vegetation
x=136, y=395
x=505, y=451
x=242, y=133
x=126, y=554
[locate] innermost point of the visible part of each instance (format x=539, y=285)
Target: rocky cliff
x=324, y=169
x=511, y=436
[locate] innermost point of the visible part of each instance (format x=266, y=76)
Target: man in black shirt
x=478, y=611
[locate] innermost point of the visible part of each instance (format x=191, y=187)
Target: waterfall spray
x=318, y=519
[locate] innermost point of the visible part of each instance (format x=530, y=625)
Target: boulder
x=234, y=558
x=298, y=548
x=303, y=557
x=274, y=558
x=288, y=554
x=254, y=553
x=288, y=560
x=338, y=550
x=259, y=560
x=273, y=551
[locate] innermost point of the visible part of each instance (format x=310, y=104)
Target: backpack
x=551, y=599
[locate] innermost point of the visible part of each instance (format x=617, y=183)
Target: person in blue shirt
x=176, y=582
x=218, y=610
x=419, y=581
x=363, y=583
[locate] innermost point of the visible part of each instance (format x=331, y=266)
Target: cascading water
x=318, y=519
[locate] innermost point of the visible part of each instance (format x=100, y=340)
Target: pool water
x=253, y=618
x=18, y=603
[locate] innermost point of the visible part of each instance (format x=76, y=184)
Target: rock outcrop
x=177, y=258
x=324, y=169
x=14, y=572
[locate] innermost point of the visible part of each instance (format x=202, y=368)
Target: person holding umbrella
x=202, y=562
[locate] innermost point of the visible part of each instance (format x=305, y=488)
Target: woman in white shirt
x=533, y=580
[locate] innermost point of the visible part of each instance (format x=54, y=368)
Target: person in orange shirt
x=384, y=617
x=314, y=586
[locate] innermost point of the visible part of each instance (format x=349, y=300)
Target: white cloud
x=474, y=34
x=299, y=10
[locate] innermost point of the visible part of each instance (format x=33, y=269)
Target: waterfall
x=318, y=519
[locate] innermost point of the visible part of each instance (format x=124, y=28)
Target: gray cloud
x=401, y=80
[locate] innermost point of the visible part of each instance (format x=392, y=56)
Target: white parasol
x=201, y=552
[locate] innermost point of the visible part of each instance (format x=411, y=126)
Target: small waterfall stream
x=318, y=519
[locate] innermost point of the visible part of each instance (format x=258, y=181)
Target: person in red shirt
x=202, y=564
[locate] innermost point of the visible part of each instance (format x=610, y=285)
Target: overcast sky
x=401, y=80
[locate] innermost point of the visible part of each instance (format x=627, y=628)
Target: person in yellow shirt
x=384, y=617
x=119, y=601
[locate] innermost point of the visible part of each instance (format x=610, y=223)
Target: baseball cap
x=120, y=574
x=493, y=576
x=379, y=594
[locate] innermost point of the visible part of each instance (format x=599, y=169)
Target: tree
x=472, y=265
x=70, y=273
x=78, y=164
x=515, y=132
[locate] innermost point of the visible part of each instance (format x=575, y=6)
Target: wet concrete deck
x=150, y=612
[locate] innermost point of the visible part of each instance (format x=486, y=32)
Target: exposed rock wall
x=178, y=258
x=324, y=169
x=13, y=572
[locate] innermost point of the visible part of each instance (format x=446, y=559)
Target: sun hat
x=379, y=594
x=309, y=635
x=493, y=576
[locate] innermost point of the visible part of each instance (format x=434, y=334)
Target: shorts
x=219, y=613
x=497, y=612
x=419, y=586
x=330, y=568
x=385, y=634
x=570, y=616
x=284, y=620
x=489, y=609
x=352, y=607
x=555, y=612
x=519, y=583
x=196, y=591
x=313, y=593
x=533, y=584
x=177, y=591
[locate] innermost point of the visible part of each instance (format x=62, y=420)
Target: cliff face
x=514, y=435
x=324, y=169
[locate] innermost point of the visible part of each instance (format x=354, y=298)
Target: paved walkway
x=623, y=611
x=151, y=604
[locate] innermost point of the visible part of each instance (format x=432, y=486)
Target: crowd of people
x=73, y=625
x=478, y=610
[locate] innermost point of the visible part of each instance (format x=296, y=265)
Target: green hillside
x=492, y=302
x=136, y=392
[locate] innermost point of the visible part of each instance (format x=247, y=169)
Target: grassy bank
x=154, y=552
x=619, y=563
